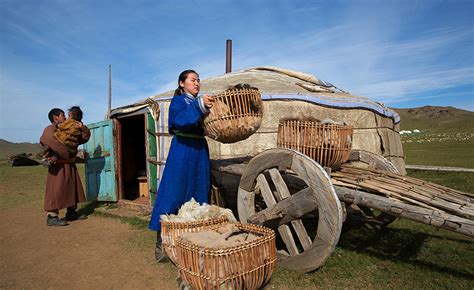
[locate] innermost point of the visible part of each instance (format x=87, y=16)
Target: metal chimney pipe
x=228, y=56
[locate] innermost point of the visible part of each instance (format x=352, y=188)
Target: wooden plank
x=424, y=189
x=397, y=208
x=441, y=204
x=424, y=183
x=421, y=186
x=284, y=230
x=234, y=169
x=406, y=191
x=298, y=205
x=283, y=193
x=356, y=185
x=246, y=205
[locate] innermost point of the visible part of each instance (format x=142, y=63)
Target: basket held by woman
x=235, y=115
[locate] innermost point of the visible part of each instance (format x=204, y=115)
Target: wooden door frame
x=117, y=133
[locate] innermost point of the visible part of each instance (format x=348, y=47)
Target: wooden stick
x=427, y=216
x=372, y=182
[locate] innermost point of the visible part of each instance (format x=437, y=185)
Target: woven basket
x=235, y=115
x=245, y=266
x=328, y=144
x=170, y=232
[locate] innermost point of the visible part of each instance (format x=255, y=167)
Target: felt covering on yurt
x=289, y=94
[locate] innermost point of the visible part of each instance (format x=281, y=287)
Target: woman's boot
x=160, y=254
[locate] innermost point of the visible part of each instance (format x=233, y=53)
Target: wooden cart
x=307, y=204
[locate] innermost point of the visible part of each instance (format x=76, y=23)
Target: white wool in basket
x=193, y=211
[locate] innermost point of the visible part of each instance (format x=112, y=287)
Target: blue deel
x=187, y=171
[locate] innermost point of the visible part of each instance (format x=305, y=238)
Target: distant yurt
x=141, y=137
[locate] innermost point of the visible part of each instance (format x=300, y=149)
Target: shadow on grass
x=396, y=245
x=89, y=208
x=451, y=239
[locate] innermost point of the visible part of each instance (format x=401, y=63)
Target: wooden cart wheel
x=286, y=190
x=365, y=159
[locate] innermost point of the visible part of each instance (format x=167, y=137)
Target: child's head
x=75, y=113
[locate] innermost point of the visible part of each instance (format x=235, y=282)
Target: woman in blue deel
x=187, y=171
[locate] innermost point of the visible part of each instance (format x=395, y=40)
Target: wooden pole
x=397, y=208
x=110, y=92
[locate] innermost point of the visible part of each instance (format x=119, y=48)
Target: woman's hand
x=208, y=101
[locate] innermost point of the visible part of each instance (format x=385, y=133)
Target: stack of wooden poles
x=428, y=200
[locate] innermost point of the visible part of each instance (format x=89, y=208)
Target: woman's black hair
x=182, y=77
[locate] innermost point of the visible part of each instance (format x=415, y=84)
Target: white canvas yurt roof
x=289, y=94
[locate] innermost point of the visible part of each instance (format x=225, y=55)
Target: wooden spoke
x=288, y=204
x=294, y=207
x=284, y=230
x=281, y=193
x=245, y=203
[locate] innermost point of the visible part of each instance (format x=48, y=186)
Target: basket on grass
x=328, y=144
x=235, y=115
x=170, y=232
x=247, y=265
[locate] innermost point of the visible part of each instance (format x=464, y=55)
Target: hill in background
x=446, y=137
x=436, y=119
x=9, y=148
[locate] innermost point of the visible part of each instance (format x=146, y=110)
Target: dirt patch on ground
x=97, y=253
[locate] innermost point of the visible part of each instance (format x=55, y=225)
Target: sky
x=56, y=53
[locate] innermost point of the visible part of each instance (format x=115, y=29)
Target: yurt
x=128, y=153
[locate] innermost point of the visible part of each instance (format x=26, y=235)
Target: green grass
x=24, y=185
x=439, y=150
x=463, y=181
x=405, y=255
x=21, y=186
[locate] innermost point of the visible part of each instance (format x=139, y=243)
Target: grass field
x=404, y=255
x=439, y=149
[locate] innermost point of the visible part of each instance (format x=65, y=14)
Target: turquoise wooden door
x=101, y=183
